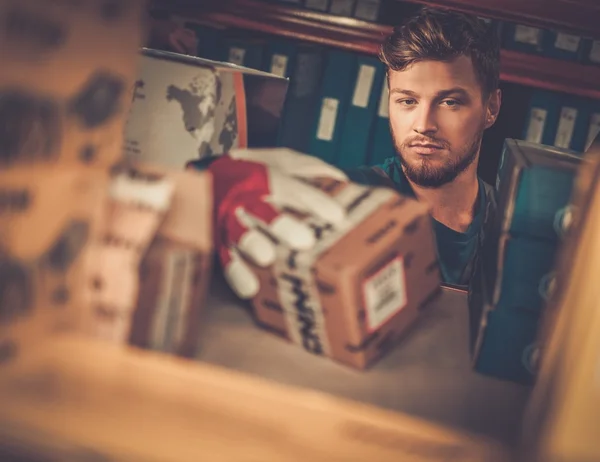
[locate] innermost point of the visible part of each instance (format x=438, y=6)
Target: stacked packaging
x=77, y=225
x=516, y=276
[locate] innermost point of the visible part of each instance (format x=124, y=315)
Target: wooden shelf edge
x=364, y=37
x=550, y=74
x=528, y=13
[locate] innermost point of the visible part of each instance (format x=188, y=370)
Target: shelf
x=365, y=37
x=581, y=17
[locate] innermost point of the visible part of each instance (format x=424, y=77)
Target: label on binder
x=567, y=42
x=364, y=83
x=593, y=130
x=566, y=126
x=526, y=34
x=384, y=108
x=279, y=65
x=537, y=121
x=236, y=56
x=327, y=119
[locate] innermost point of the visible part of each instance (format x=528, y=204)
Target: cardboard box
x=175, y=272
x=362, y=286
x=123, y=405
x=186, y=108
x=67, y=68
x=533, y=188
x=151, y=263
x=48, y=219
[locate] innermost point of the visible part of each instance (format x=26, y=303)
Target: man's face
x=437, y=118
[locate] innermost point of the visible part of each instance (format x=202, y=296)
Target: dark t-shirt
x=456, y=251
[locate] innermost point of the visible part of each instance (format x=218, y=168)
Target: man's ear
x=493, y=107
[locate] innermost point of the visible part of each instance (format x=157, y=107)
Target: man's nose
x=425, y=120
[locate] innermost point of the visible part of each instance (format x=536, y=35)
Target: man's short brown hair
x=442, y=35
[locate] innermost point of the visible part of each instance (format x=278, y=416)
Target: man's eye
x=451, y=102
x=406, y=102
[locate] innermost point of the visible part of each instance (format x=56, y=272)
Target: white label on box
x=342, y=7
x=327, y=119
x=279, y=65
x=526, y=34
x=595, y=52
x=566, y=126
x=364, y=83
x=236, y=56
x=537, y=122
x=320, y=5
x=593, y=130
x=169, y=322
x=367, y=10
x=384, y=104
x=567, y=42
x=385, y=293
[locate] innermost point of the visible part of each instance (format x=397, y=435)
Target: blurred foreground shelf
x=71, y=399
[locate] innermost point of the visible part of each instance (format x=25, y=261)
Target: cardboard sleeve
x=365, y=289
x=175, y=271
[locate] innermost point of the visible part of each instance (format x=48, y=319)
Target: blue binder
x=591, y=51
x=592, y=124
x=305, y=75
x=336, y=90
x=542, y=118
x=523, y=38
x=571, y=125
x=567, y=47
x=210, y=40
x=360, y=114
x=382, y=145
x=244, y=52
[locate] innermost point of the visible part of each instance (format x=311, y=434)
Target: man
x=443, y=72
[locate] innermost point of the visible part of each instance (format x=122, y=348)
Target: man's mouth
x=426, y=146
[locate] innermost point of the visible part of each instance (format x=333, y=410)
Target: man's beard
x=427, y=176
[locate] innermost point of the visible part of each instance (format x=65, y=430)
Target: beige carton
x=48, y=219
x=176, y=269
x=362, y=286
x=68, y=70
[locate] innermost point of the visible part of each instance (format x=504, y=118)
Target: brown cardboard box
x=176, y=269
x=79, y=400
x=68, y=69
x=48, y=219
x=364, y=284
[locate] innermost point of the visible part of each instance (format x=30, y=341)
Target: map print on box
x=180, y=112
